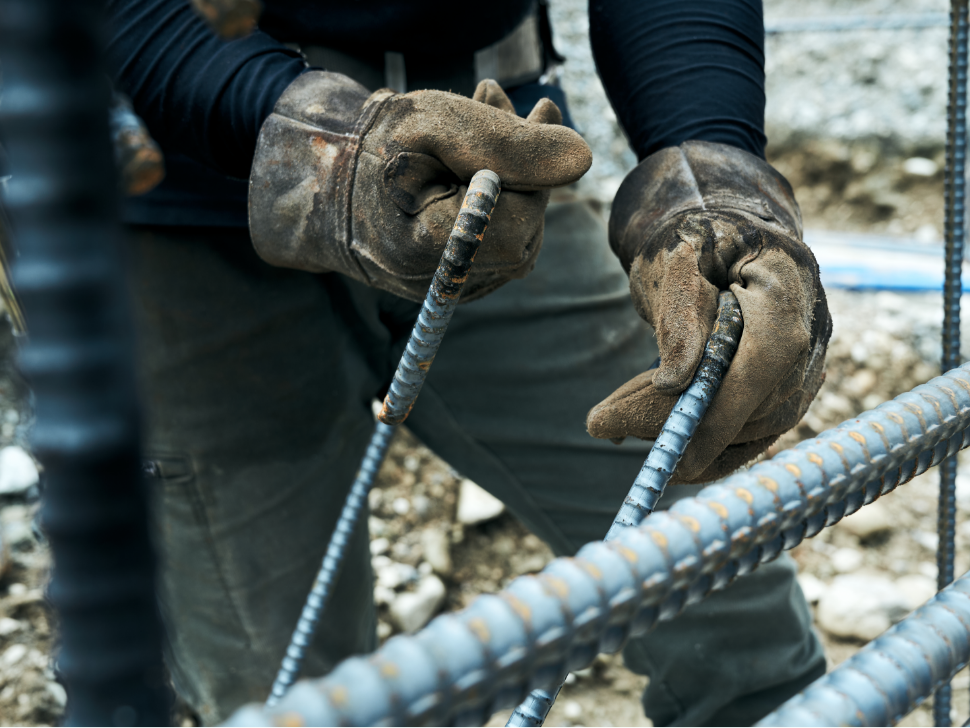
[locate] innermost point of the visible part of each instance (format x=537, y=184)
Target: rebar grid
x=466, y=665
x=954, y=233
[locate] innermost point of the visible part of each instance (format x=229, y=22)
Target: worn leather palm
x=690, y=221
x=369, y=185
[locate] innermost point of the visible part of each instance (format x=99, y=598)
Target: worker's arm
x=198, y=95
x=704, y=212
x=358, y=181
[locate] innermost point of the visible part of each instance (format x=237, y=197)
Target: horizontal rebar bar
x=829, y=24
x=894, y=673
x=465, y=665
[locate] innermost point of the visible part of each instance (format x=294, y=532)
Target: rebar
x=893, y=674
x=828, y=24
x=426, y=337
x=659, y=466
x=464, y=666
x=79, y=362
x=954, y=233
x=442, y=298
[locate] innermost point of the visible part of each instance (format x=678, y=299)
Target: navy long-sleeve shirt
x=673, y=69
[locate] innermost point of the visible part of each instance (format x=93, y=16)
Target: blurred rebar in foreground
x=78, y=360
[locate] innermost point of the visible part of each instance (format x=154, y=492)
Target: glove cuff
x=697, y=176
x=301, y=182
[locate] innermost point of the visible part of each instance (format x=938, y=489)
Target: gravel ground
x=847, y=114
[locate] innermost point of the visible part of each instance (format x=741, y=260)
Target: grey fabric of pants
x=258, y=384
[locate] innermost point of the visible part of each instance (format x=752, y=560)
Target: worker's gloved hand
x=690, y=221
x=369, y=185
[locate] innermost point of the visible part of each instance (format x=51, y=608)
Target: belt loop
x=395, y=74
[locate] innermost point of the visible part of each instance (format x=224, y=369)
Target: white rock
x=412, y=610
x=861, y=606
x=917, y=589
x=58, y=693
x=17, y=470
x=17, y=589
x=926, y=539
x=476, y=505
x=572, y=710
x=920, y=167
x=376, y=526
x=8, y=626
x=17, y=534
x=437, y=550
x=395, y=575
x=401, y=506
x=13, y=654
x=812, y=587
x=928, y=569
x=845, y=560
x=379, y=546
x=872, y=520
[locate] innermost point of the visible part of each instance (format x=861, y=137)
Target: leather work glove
x=369, y=185
x=690, y=221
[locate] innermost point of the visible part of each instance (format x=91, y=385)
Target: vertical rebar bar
x=954, y=231
x=79, y=361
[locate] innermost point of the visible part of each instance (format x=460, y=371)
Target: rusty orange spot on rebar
x=895, y=417
x=591, y=569
x=815, y=459
x=837, y=447
x=768, y=483
x=560, y=587
x=628, y=554
x=520, y=607
x=289, y=719
x=876, y=426
x=338, y=696
x=389, y=669
x=692, y=523
x=857, y=437
x=744, y=495
x=480, y=629
x=793, y=469
x=718, y=508
x=659, y=539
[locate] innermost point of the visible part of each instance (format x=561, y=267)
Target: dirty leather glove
x=369, y=185
x=690, y=221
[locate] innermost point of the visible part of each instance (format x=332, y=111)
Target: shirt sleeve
x=198, y=94
x=677, y=70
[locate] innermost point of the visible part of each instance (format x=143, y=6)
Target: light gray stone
x=57, y=692
x=846, y=560
x=436, y=545
x=812, y=587
x=17, y=471
x=394, y=575
x=476, y=505
x=868, y=522
x=8, y=626
x=917, y=589
x=410, y=611
x=861, y=606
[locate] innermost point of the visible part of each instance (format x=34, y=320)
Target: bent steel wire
x=954, y=232
x=659, y=466
x=429, y=330
x=893, y=674
x=466, y=665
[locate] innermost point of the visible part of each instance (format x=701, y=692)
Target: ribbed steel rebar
x=429, y=330
x=954, y=233
x=442, y=298
x=319, y=595
x=684, y=419
x=79, y=361
x=894, y=673
x=659, y=466
x=828, y=24
x=464, y=666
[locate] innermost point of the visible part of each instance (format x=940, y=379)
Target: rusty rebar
x=230, y=19
x=426, y=337
x=464, y=666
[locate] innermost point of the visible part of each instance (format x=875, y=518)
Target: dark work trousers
x=258, y=385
